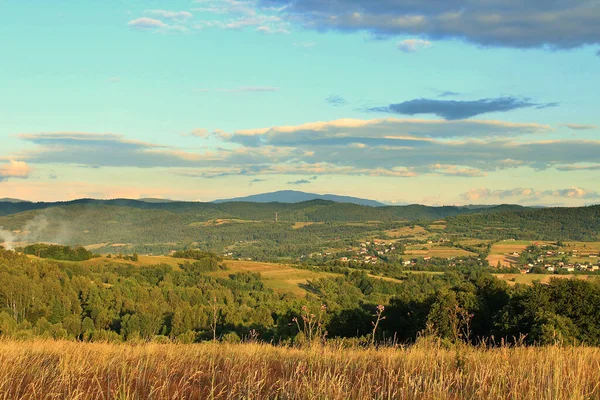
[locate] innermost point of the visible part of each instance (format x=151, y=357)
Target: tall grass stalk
x=427, y=370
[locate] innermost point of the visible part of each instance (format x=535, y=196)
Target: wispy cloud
x=241, y=15
x=579, y=167
x=335, y=100
x=448, y=94
x=303, y=181
x=200, y=133
x=271, y=31
x=146, y=23
x=305, y=45
x=520, y=194
x=413, y=45
x=170, y=15
x=580, y=127
x=455, y=109
x=400, y=148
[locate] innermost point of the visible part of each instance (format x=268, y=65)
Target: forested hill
x=582, y=223
x=301, y=228
x=309, y=211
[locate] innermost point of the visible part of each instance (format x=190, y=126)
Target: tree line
x=120, y=302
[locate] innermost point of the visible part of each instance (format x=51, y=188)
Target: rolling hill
x=300, y=228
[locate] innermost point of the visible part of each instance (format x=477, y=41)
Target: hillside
x=294, y=196
x=582, y=223
x=251, y=229
x=310, y=211
x=11, y=200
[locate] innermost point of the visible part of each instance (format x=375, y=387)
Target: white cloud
x=271, y=31
x=147, y=23
x=14, y=169
x=520, y=194
x=170, y=15
x=200, y=133
x=413, y=45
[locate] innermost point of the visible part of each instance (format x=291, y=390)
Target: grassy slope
x=282, y=278
x=46, y=369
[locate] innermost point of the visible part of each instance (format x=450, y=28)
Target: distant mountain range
x=293, y=196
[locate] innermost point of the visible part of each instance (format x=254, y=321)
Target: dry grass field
x=142, y=261
x=300, y=225
x=528, y=279
x=282, y=278
x=417, y=232
x=71, y=370
x=438, y=227
x=279, y=277
x=437, y=251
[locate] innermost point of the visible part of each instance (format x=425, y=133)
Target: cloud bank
x=521, y=194
x=560, y=24
x=400, y=148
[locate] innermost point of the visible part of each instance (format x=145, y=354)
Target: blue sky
x=457, y=102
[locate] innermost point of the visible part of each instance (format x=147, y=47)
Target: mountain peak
x=294, y=196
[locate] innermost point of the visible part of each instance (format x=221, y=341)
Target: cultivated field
x=502, y=251
x=436, y=251
x=71, y=370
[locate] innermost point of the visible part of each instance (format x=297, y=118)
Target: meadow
x=427, y=370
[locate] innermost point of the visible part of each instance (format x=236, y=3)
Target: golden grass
x=143, y=261
x=528, y=279
x=407, y=231
x=70, y=370
x=300, y=225
x=438, y=227
x=441, y=251
x=280, y=277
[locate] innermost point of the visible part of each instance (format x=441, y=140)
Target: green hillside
x=582, y=223
x=250, y=229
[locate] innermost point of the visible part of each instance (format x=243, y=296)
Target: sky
x=402, y=101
